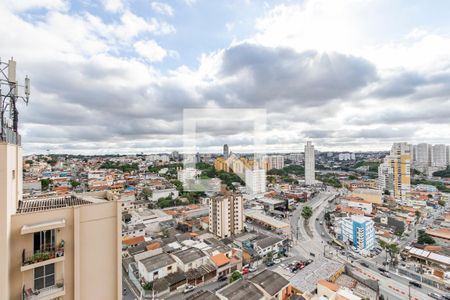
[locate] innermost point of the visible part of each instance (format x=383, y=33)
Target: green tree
x=236, y=275
x=146, y=194
x=45, y=183
x=307, y=212
x=74, y=183
x=29, y=162
x=424, y=238
x=148, y=286
x=441, y=202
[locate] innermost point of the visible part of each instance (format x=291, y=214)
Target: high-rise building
x=357, y=230
x=423, y=154
x=226, y=214
x=400, y=148
x=394, y=175
x=439, y=155
x=448, y=155
x=226, y=152
x=276, y=162
x=255, y=181
x=310, y=176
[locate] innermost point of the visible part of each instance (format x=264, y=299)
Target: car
x=124, y=292
x=245, y=271
x=222, y=278
x=277, y=260
x=188, y=289
x=382, y=269
x=317, y=219
x=435, y=295
x=270, y=263
x=416, y=284
x=385, y=274
x=252, y=269
x=385, y=263
x=364, y=264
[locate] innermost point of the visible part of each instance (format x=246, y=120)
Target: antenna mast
x=9, y=95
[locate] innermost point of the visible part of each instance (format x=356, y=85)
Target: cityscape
x=267, y=164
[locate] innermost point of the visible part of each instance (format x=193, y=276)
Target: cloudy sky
x=114, y=76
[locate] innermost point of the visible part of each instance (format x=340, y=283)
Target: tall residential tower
x=310, y=176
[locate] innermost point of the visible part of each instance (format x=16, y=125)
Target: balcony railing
x=55, y=290
x=40, y=256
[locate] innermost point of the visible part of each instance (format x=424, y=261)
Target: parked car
x=252, y=269
x=270, y=263
x=277, y=260
x=222, y=278
x=416, y=284
x=188, y=289
x=385, y=274
x=435, y=296
x=245, y=271
x=382, y=269
x=364, y=264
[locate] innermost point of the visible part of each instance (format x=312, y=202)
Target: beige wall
x=92, y=261
x=10, y=160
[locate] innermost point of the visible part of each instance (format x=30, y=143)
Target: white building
x=226, y=215
x=358, y=231
x=158, y=266
x=423, y=154
x=255, y=181
x=186, y=174
x=157, y=194
x=439, y=155
x=276, y=162
x=346, y=156
x=310, y=168
x=361, y=204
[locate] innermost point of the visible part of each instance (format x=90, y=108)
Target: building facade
x=226, y=214
x=310, y=168
x=255, y=181
x=358, y=231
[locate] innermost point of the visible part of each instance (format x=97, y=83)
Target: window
x=169, y=268
x=44, y=240
x=155, y=273
x=44, y=276
x=13, y=174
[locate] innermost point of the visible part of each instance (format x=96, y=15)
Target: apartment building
x=226, y=214
x=276, y=162
x=61, y=247
x=439, y=155
x=394, y=175
x=255, y=181
x=310, y=169
x=357, y=230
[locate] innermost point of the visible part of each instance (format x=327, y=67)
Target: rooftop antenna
x=9, y=96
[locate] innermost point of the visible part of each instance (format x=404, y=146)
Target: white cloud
x=150, y=50
x=24, y=5
x=162, y=8
x=113, y=5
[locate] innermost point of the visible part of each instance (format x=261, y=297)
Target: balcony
x=42, y=258
x=51, y=292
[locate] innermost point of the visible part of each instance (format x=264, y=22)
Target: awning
x=26, y=229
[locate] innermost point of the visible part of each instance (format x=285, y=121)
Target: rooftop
x=241, y=289
x=270, y=281
x=190, y=254
x=156, y=262
x=33, y=205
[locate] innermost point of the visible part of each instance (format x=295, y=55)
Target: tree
x=307, y=212
x=424, y=238
x=387, y=193
x=441, y=202
x=418, y=214
x=381, y=297
x=148, y=286
x=236, y=275
x=399, y=232
x=74, y=183
x=45, y=183
x=146, y=194
x=384, y=246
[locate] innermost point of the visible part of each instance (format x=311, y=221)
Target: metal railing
x=33, y=294
x=39, y=256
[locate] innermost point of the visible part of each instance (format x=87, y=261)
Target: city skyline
x=384, y=81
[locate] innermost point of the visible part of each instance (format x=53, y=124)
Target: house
x=190, y=258
x=241, y=289
x=270, y=244
x=158, y=266
x=272, y=284
x=195, y=264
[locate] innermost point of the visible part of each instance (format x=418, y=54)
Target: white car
x=252, y=269
x=277, y=260
x=188, y=288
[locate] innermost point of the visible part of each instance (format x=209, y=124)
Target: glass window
x=44, y=276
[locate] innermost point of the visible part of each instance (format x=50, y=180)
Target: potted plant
x=59, y=284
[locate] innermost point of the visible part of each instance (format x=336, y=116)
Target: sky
x=116, y=76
